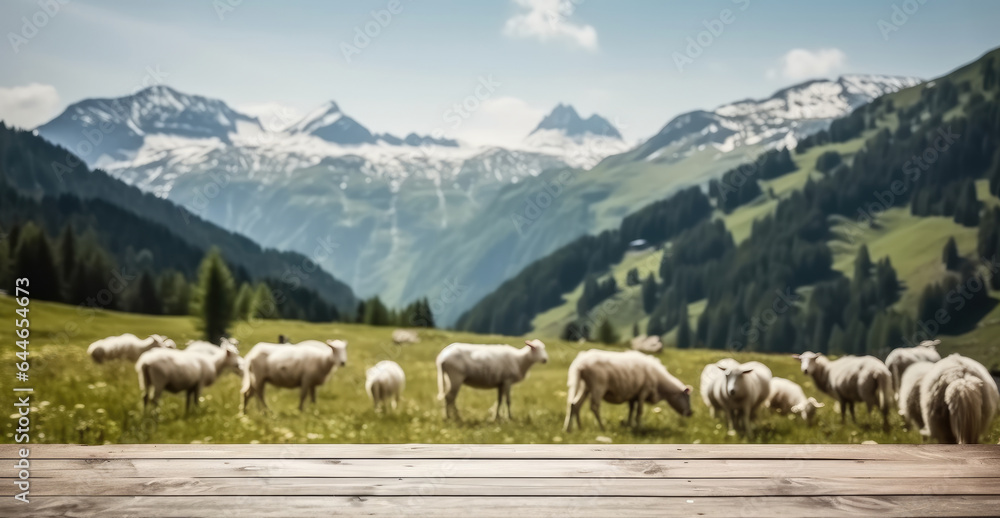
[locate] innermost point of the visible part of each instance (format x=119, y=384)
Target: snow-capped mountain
x=580, y=142
x=781, y=119
x=102, y=131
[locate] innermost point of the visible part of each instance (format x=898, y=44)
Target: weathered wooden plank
x=603, y=507
x=961, y=467
x=527, y=451
x=514, y=487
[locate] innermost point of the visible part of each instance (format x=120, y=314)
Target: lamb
x=711, y=374
x=851, y=379
x=126, y=346
x=182, y=371
x=405, y=336
x=901, y=358
x=305, y=365
x=203, y=347
x=788, y=397
x=909, y=393
x=743, y=390
x=958, y=399
x=383, y=382
x=621, y=377
x=484, y=367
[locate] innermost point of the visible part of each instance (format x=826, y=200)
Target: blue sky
x=613, y=58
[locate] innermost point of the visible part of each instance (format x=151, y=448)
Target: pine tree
x=176, y=293
x=35, y=261
x=145, y=298
x=606, y=333
x=264, y=305
x=684, y=336
x=67, y=255
x=376, y=314
x=649, y=294
x=216, y=295
x=862, y=266
x=244, y=303
x=951, y=258
x=968, y=205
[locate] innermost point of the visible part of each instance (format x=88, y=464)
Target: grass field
x=76, y=401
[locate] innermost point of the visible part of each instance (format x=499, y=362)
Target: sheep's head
x=233, y=360
x=930, y=344
x=808, y=360
x=162, y=341
x=681, y=401
x=735, y=386
x=339, y=348
x=231, y=341
x=537, y=350
x=807, y=409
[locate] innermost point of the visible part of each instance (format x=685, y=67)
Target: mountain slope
x=36, y=170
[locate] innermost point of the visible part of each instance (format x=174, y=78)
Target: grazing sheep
x=127, y=346
x=851, y=379
x=909, y=393
x=901, y=358
x=182, y=371
x=405, y=336
x=484, y=367
x=788, y=397
x=712, y=373
x=385, y=381
x=743, y=390
x=621, y=377
x=647, y=344
x=304, y=365
x=201, y=346
x=958, y=399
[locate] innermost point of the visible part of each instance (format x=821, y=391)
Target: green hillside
x=76, y=401
x=912, y=243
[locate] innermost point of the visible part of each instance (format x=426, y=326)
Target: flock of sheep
x=951, y=400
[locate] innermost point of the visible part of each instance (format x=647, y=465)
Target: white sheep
x=744, y=390
x=385, y=381
x=711, y=374
x=909, y=393
x=901, y=358
x=958, y=399
x=201, y=346
x=647, y=344
x=851, y=379
x=484, y=367
x=164, y=369
x=621, y=377
x=788, y=397
x=405, y=336
x=304, y=365
x=126, y=346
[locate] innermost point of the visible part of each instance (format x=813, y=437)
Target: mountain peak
x=564, y=118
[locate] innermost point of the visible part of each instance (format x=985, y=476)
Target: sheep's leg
x=747, y=429
x=312, y=394
x=496, y=415
x=638, y=414
x=843, y=412
x=449, y=398
x=395, y=400
x=260, y=396
x=247, y=394
x=507, y=396
x=731, y=417
x=631, y=410
x=595, y=407
x=303, y=394
x=853, y=417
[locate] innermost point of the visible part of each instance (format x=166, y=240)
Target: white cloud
x=499, y=121
x=274, y=116
x=546, y=20
x=800, y=64
x=28, y=106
